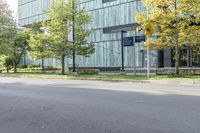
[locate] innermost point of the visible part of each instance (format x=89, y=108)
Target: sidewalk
x=156, y=81
x=150, y=87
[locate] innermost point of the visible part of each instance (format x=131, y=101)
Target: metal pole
x=134, y=57
x=148, y=52
x=122, y=48
x=148, y=62
x=73, y=36
x=25, y=58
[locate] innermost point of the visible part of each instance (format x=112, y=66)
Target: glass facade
x=31, y=11
x=116, y=15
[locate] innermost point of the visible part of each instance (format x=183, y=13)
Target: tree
x=6, y=21
x=7, y=62
x=80, y=31
x=57, y=33
x=61, y=16
x=5, y=14
x=20, y=47
x=192, y=30
x=37, y=43
x=15, y=45
x=172, y=21
x=13, y=41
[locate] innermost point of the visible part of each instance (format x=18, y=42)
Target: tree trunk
x=177, y=50
x=63, y=64
x=15, y=66
x=15, y=69
x=7, y=69
x=42, y=65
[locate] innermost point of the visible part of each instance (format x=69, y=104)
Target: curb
x=111, y=80
x=177, y=82
x=91, y=79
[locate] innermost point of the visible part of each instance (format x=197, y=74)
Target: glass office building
x=109, y=18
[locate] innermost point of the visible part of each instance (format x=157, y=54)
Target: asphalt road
x=71, y=106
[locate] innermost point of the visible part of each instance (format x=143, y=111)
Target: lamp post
x=148, y=62
x=134, y=56
x=122, y=49
x=149, y=32
x=73, y=37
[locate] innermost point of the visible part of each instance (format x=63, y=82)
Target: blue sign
x=140, y=38
x=128, y=41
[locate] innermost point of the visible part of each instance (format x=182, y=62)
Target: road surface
x=36, y=105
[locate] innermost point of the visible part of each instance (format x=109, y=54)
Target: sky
x=13, y=6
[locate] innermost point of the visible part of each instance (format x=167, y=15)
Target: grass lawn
x=100, y=76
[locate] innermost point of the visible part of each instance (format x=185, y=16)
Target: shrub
x=183, y=71
x=8, y=63
x=33, y=66
x=22, y=66
x=87, y=71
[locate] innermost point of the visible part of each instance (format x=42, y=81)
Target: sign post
x=141, y=38
x=134, y=64
x=122, y=49
x=128, y=41
x=148, y=62
x=138, y=39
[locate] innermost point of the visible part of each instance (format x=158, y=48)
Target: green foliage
x=87, y=71
x=32, y=66
x=171, y=20
x=54, y=40
x=57, y=29
x=6, y=62
x=61, y=26
x=38, y=45
x=22, y=66
x=82, y=31
x=5, y=14
x=175, y=22
x=36, y=27
x=6, y=21
x=14, y=44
